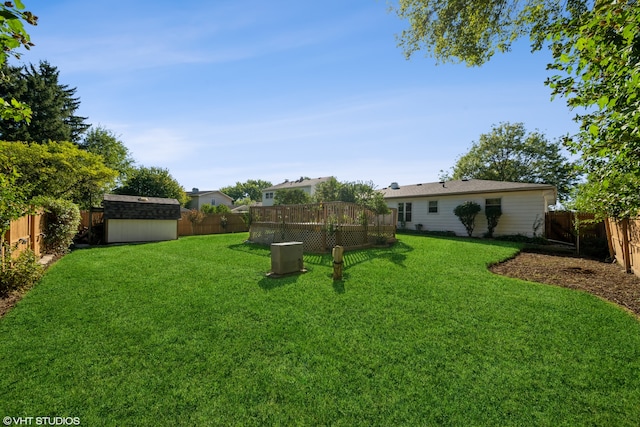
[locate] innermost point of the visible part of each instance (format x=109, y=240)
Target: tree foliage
x=14, y=36
x=508, y=153
x=596, y=55
x=13, y=202
x=597, y=61
x=114, y=153
x=152, y=182
x=291, y=196
x=56, y=169
x=473, y=31
x=333, y=190
x=251, y=189
x=61, y=222
x=53, y=106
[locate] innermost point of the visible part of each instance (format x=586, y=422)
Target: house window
x=404, y=212
x=492, y=203
x=268, y=195
x=433, y=206
x=213, y=202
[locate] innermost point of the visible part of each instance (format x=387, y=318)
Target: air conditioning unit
x=286, y=258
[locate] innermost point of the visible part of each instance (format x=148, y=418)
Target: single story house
x=212, y=197
x=308, y=185
x=140, y=219
x=430, y=206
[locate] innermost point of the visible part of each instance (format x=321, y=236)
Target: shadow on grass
x=268, y=283
x=395, y=254
x=251, y=248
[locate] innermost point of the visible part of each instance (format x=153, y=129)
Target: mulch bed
x=603, y=279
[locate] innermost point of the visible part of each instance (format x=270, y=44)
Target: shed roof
x=456, y=187
x=118, y=206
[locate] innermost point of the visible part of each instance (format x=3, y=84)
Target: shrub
x=493, y=214
x=466, y=213
x=61, y=221
x=208, y=209
x=18, y=273
x=221, y=209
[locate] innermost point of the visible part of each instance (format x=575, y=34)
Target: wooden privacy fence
x=561, y=226
x=624, y=243
x=321, y=226
x=212, y=224
x=24, y=233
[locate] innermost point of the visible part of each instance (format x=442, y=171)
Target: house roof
x=470, y=186
x=299, y=183
x=199, y=193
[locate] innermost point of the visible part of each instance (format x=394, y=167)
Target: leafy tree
x=333, y=190
x=327, y=191
x=466, y=213
x=13, y=203
x=472, y=31
x=115, y=154
x=596, y=50
x=377, y=204
x=57, y=169
x=152, y=182
x=508, y=153
x=251, y=189
x=598, y=72
x=12, y=37
x=53, y=105
x=291, y=196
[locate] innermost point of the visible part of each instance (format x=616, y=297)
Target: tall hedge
x=61, y=222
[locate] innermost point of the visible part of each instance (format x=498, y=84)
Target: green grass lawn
x=192, y=332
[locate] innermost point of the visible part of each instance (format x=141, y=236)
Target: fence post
x=626, y=253
x=337, y=262
x=607, y=228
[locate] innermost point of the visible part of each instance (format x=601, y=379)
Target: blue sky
x=220, y=92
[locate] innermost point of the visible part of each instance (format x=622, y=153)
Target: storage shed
x=140, y=219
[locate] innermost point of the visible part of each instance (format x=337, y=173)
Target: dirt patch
x=605, y=280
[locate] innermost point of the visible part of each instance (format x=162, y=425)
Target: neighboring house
x=523, y=205
x=306, y=185
x=140, y=219
x=213, y=198
x=245, y=208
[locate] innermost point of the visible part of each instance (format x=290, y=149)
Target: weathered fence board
x=561, y=226
x=624, y=241
x=212, y=224
x=24, y=233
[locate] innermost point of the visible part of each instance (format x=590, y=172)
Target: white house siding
x=213, y=198
x=520, y=210
x=140, y=230
x=269, y=202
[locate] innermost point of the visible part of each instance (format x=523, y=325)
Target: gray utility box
x=286, y=257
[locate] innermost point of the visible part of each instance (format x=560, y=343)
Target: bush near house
x=466, y=213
